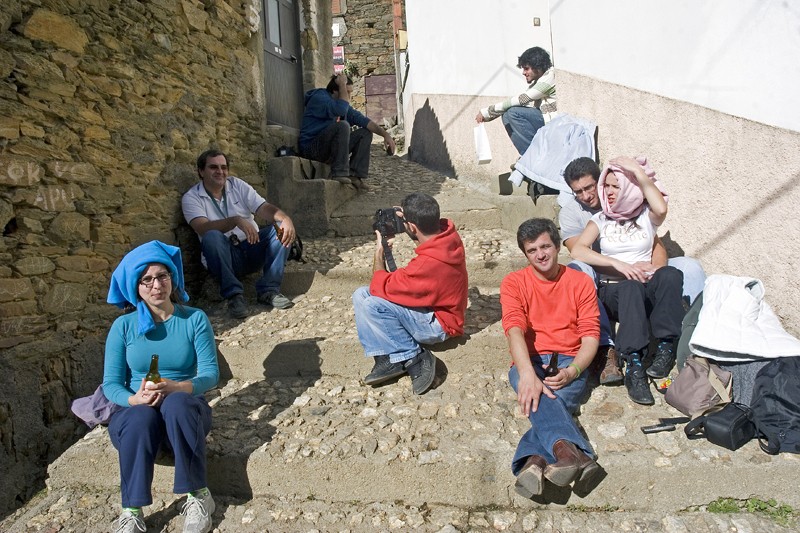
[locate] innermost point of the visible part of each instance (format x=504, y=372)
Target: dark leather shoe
x=422, y=369
x=663, y=361
x=568, y=463
x=383, y=370
x=530, y=480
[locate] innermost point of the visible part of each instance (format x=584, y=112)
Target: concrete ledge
x=310, y=202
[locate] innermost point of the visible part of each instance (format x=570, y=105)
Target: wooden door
x=283, y=71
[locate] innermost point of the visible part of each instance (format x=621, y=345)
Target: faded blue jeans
x=386, y=328
x=521, y=124
x=226, y=262
x=552, y=421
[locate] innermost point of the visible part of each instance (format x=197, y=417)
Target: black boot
x=636, y=380
x=664, y=359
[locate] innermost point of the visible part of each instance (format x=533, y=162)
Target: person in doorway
x=327, y=134
x=523, y=114
x=221, y=209
x=550, y=319
x=171, y=413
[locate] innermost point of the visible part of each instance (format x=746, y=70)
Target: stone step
x=334, y=440
x=333, y=265
x=325, y=207
x=89, y=512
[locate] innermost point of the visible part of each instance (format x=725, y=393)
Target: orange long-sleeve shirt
x=553, y=314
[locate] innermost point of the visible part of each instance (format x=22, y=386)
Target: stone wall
x=368, y=42
x=104, y=106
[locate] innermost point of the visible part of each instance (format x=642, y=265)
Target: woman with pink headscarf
x=641, y=296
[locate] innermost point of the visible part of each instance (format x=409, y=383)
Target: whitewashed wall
x=463, y=56
x=707, y=89
x=741, y=58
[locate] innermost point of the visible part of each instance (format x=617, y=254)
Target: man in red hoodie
x=423, y=303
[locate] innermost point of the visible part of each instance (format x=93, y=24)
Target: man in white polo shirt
x=221, y=210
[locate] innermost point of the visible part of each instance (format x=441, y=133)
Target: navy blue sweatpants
x=138, y=433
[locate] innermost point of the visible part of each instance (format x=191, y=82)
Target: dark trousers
x=138, y=433
x=346, y=151
x=631, y=303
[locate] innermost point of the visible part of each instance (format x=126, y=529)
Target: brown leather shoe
x=611, y=374
x=569, y=464
x=530, y=481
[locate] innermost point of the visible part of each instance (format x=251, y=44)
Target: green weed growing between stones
x=607, y=508
x=779, y=512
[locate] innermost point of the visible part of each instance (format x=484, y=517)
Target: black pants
x=346, y=151
x=636, y=305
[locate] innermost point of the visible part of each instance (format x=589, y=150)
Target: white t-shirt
x=629, y=242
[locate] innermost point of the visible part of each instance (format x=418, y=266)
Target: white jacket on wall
x=554, y=146
x=737, y=324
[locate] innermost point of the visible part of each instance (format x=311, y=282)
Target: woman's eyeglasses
x=148, y=281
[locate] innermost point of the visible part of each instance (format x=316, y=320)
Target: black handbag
x=729, y=427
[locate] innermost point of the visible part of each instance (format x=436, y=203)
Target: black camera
x=388, y=223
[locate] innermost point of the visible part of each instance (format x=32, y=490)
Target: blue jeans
x=226, y=262
x=521, y=124
x=694, y=277
x=139, y=432
x=552, y=421
x=385, y=328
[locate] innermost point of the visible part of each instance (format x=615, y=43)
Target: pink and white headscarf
x=630, y=199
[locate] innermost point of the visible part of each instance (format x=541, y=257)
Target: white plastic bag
x=482, y=148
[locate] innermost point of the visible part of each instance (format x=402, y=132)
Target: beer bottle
x=152, y=374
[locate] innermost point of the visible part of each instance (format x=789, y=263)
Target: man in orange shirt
x=550, y=315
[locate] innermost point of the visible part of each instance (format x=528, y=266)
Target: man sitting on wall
x=326, y=136
x=582, y=175
x=423, y=303
x=522, y=114
x=550, y=318
x=220, y=209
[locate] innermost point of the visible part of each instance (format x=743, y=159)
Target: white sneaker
x=198, y=513
x=129, y=523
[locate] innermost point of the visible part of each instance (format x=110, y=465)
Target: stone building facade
x=104, y=107
x=367, y=35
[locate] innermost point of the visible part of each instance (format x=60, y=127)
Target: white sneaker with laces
x=129, y=523
x=198, y=511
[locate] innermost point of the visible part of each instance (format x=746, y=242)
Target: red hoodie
x=436, y=278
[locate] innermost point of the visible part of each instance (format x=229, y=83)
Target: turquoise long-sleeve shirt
x=184, y=344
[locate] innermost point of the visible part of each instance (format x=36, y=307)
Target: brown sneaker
x=611, y=374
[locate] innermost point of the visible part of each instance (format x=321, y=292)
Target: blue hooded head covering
x=124, y=287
